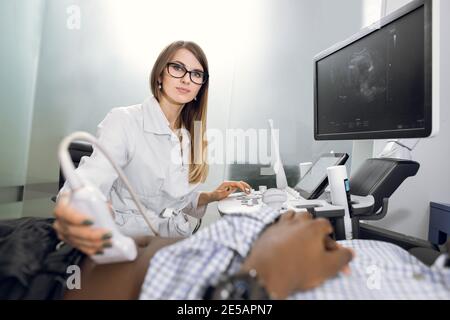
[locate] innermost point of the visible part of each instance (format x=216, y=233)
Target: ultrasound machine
x=381, y=83
x=303, y=196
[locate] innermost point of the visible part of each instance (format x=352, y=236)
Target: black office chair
x=381, y=178
x=78, y=150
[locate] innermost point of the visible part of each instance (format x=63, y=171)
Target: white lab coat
x=141, y=142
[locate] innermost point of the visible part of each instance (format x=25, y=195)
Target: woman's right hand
x=75, y=229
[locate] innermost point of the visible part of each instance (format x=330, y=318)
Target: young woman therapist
x=165, y=165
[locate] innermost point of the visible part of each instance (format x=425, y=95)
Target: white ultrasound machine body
x=302, y=197
x=287, y=199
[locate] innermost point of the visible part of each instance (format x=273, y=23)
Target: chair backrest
x=77, y=150
x=381, y=178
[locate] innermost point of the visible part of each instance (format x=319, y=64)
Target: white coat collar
x=154, y=119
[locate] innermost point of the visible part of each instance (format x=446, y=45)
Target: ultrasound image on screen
x=377, y=83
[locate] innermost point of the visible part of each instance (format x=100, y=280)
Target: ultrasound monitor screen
x=377, y=83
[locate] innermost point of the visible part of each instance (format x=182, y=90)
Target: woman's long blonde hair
x=194, y=111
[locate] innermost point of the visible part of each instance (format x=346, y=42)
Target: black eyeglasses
x=178, y=71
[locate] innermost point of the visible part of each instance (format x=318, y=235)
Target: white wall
x=273, y=76
x=20, y=34
x=409, y=206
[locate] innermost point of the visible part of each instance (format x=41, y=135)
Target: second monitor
x=312, y=185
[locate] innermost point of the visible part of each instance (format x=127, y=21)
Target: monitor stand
x=395, y=148
x=362, y=150
x=399, y=149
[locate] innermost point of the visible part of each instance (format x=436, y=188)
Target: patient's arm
x=293, y=254
x=120, y=280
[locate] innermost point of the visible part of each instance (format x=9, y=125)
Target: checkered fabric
x=379, y=271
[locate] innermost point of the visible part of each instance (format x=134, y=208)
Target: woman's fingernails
x=107, y=236
x=107, y=245
x=88, y=222
x=100, y=252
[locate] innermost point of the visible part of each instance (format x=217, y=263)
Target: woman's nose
x=186, y=78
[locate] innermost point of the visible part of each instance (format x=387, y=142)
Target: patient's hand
x=296, y=254
x=76, y=229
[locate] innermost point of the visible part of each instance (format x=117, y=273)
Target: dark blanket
x=32, y=264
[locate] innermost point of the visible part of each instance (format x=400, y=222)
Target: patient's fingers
x=71, y=215
x=336, y=261
x=346, y=270
x=296, y=216
x=322, y=227
x=304, y=216
x=330, y=244
x=288, y=215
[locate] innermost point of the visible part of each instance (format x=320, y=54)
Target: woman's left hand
x=227, y=188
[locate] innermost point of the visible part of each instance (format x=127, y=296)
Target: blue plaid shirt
x=379, y=271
